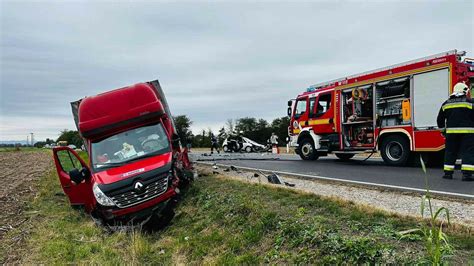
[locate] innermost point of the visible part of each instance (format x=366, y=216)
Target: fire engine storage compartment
x=393, y=102
x=358, y=117
x=430, y=90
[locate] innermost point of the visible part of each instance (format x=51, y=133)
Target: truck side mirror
x=289, y=111
x=78, y=176
x=290, y=103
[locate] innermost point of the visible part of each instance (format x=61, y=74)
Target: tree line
x=253, y=128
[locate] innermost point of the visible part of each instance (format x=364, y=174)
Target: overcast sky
x=214, y=60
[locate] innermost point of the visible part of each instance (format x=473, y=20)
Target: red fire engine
x=392, y=110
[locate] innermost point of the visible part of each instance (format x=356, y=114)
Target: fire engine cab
x=392, y=110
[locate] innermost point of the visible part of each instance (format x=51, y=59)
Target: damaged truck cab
x=135, y=161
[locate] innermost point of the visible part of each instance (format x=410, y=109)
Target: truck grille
x=130, y=196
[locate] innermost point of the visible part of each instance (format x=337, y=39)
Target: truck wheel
x=225, y=148
x=395, y=150
x=307, y=150
x=158, y=222
x=344, y=156
x=248, y=149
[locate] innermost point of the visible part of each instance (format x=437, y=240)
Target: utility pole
x=27, y=140
x=32, y=139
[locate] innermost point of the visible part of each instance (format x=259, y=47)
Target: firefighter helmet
x=460, y=87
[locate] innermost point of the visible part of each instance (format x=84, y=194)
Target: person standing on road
x=456, y=117
x=274, y=142
x=214, y=144
x=274, y=139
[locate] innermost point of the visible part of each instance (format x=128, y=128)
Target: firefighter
x=456, y=117
x=214, y=144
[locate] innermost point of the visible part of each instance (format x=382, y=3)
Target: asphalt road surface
x=371, y=172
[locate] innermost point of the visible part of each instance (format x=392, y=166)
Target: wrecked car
x=136, y=165
x=245, y=144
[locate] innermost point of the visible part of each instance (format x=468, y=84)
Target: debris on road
x=274, y=179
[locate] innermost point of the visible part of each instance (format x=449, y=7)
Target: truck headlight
x=101, y=198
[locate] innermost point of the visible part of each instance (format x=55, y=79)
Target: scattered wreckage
x=273, y=178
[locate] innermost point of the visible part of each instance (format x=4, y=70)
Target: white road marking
x=443, y=193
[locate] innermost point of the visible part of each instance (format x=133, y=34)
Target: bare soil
x=20, y=172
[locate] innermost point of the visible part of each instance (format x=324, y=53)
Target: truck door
x=67, y=160
x=322, y=114
x=300, y=114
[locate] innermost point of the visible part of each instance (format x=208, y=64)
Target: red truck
x=392, y=110
x=136, y=163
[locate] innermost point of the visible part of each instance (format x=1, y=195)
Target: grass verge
x=223, y=221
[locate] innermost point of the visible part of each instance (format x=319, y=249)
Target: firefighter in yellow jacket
x=456, y=116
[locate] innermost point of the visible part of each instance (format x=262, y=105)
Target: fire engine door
x=321, y=115
x=300, y=114
x=68, y=162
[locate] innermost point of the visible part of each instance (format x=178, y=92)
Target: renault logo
x=138, y=187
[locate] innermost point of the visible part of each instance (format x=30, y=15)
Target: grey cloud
x=214, y=60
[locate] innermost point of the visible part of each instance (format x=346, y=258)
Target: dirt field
x=19, y=173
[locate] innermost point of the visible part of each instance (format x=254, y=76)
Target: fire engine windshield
x=130, y=145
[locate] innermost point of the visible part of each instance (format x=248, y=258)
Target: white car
x=248, y=145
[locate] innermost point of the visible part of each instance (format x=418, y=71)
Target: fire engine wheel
x=248, y=149
x=395, y=150
x=344, y=156
x=225, y=148
x=307, y=150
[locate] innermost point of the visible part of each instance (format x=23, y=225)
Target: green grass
x=229, y=222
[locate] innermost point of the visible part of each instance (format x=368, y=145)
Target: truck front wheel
x=307, y=150
x=395, y=150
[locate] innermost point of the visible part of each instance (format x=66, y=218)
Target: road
x=372, y=172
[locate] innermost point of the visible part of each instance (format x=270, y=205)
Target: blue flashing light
x=310, y=89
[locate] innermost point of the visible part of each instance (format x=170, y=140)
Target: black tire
x=344, y=156
x=306, y=150
x=395, y=150
x=160, y=221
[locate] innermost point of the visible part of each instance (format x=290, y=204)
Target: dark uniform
x=214, y=144
x=457, y=116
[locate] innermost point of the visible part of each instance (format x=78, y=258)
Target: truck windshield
x=130, y=145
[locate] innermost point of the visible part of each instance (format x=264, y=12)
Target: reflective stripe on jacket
x=457, y=115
